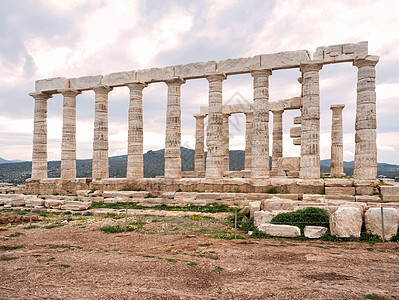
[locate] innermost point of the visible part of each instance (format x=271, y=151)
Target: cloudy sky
x=72, y=38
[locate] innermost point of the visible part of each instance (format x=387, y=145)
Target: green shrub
x=272, y=191
x=113, y=229
x=311, y=216
x=395, y=238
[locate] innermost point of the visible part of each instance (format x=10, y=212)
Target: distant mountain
x=154, y=166
x=4, y=161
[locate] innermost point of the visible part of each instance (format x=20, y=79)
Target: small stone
x=314, y=232
x=280, y=230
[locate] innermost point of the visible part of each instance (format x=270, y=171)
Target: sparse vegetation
x=218, y=270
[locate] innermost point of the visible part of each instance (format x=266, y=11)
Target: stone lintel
x=119, y=78
x=51, y=85
x=284, y=60
x=155, y=74
x=238, y=65
x=85, y=83
x=195, y=70
x=341, y=53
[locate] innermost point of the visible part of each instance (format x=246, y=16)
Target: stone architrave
x=249, y=119
x=226, y=142
x=310, y=125
x=199, y=162
x=277, y=138
x=68, y=145
x=135, y=131
x=366, y=119
x=100, y=168
x=260, y=138
x=337, y=145
x=39, y=153
x=173, y=129
x=214, y=160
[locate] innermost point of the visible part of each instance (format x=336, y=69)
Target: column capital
x=136, y=85
x=310, y=66
x=337, y=107
x=215, y=76
x=102, y=89
x=40, y=96
x=369, y=61
x=260, y=72
x=199, y=116
x=69, y=92
x=177, y=81
x=277, y=111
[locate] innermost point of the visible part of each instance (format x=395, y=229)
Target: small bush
x=114, y=229
x=395, y=238
x=272, y=191
x=374, y=297
x=311, y=216
x=218, y=270
x=8, y=248
x=4, y=258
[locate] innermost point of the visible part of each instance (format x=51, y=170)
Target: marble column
x=277, y=137
x=310, y=124
x=199, y=162
x=173, y=130
x=214, y=160
x=226, y=143
x=366, y=119
x=249, y=118
x=337, y=145
x=100, y=168
x=135, y=132
x=68, y=144
x=39, y=153
x=260, y=139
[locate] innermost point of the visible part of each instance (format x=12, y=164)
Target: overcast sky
x=52, y=38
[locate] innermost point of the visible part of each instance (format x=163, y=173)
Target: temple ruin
x=302, y=174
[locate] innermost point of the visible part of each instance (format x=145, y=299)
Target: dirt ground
x=82, y=262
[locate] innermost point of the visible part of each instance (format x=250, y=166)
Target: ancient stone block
x=195, y=70
x=346, y=222
x=284, y=60
x=338, y=182
x=85, y=83
x=314, y=232
x=295, y=132
x=336, y=190
x=253, y=207
x=280, y=230
x=119, y=78
x=155, y=74
x=297, y=120
x=238, y=65
x=368, y=198
x=278, y=204
x=52, y=203
x=262, y=217
x=341, y=53
x=372, y=219
x=51, y=85
x=76, y=205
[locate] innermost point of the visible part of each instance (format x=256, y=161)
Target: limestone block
x=390, y=198
x=278, y=204
x=297, y=142
x=297, y=120
x=119, y=78
x=340, y=182
x=208, y=196
x=389, y=190
x=288, y=163
x=313, y=198
x=372, y=219
x=168, y=195
x=341, y=53
x=186, y=195
x=126, y=194
x=76, y=205
x=53, y=203
x=314, y=232
x=262, y=217
x=369, y=198
x=346, y=222
x=195, y=70
x=85, y=83
x=253, y=207
x=280, y=230
x=336, y=190
x=115, y=200
x=51, y=85
x=284, y=60
x=33, y=201
x=295, y=132
x=155, y=74
x=238, y=65
x=15, y=202
x=349, y=198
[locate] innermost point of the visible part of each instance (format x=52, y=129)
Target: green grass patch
x=17, y=234
x=224, y=234
x=30, y=227
x=374, y=297
x=191, y=263
x=171, y=260
x=204, y=245
x=218, y=270
x=65, y=266
x=115, y=229
x=5, y=258
x=8, y=248
x=51, y=226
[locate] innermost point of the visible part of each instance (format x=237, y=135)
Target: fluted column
x=249, y=118
x=68, y=144
x=260, y=140
x=199, y=161
x=39, y=153
x=310, y=125
x=135, y=131
x=214, y=160
x=100, y=167
x=277, y=137
x=337, y=145
x=226, y=143
x=366, y=119
x=173, y=130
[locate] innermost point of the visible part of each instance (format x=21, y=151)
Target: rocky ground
x=170, y=257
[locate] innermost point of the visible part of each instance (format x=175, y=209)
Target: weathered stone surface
x=390, y=198
x=284, y=60
x=155, y=74
x=206, y=196
x=288, y=164
x=262, y=217
x=297, y=141
x=339, y=182
x=341, y=53
x=336, y=190
x=238, y=65
x=199, y=158
x=314, y=232
x=295, y=132
x=76, y=205
x=389, y=190
x=15, y=202
x=119, y=78
x=52, y=203
x=33, y=201
x=297, y=120
x=51, y=85
x=368, y=198
x=372, y=219
x=253, y=207
x=85, y=83
x=280, y=230
x=189, y=196
x=195, y=70
x=126, y=194
x=277, y=152
x=278, y=204
x=346, y=222
x=115, y=199
x=337, y=146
